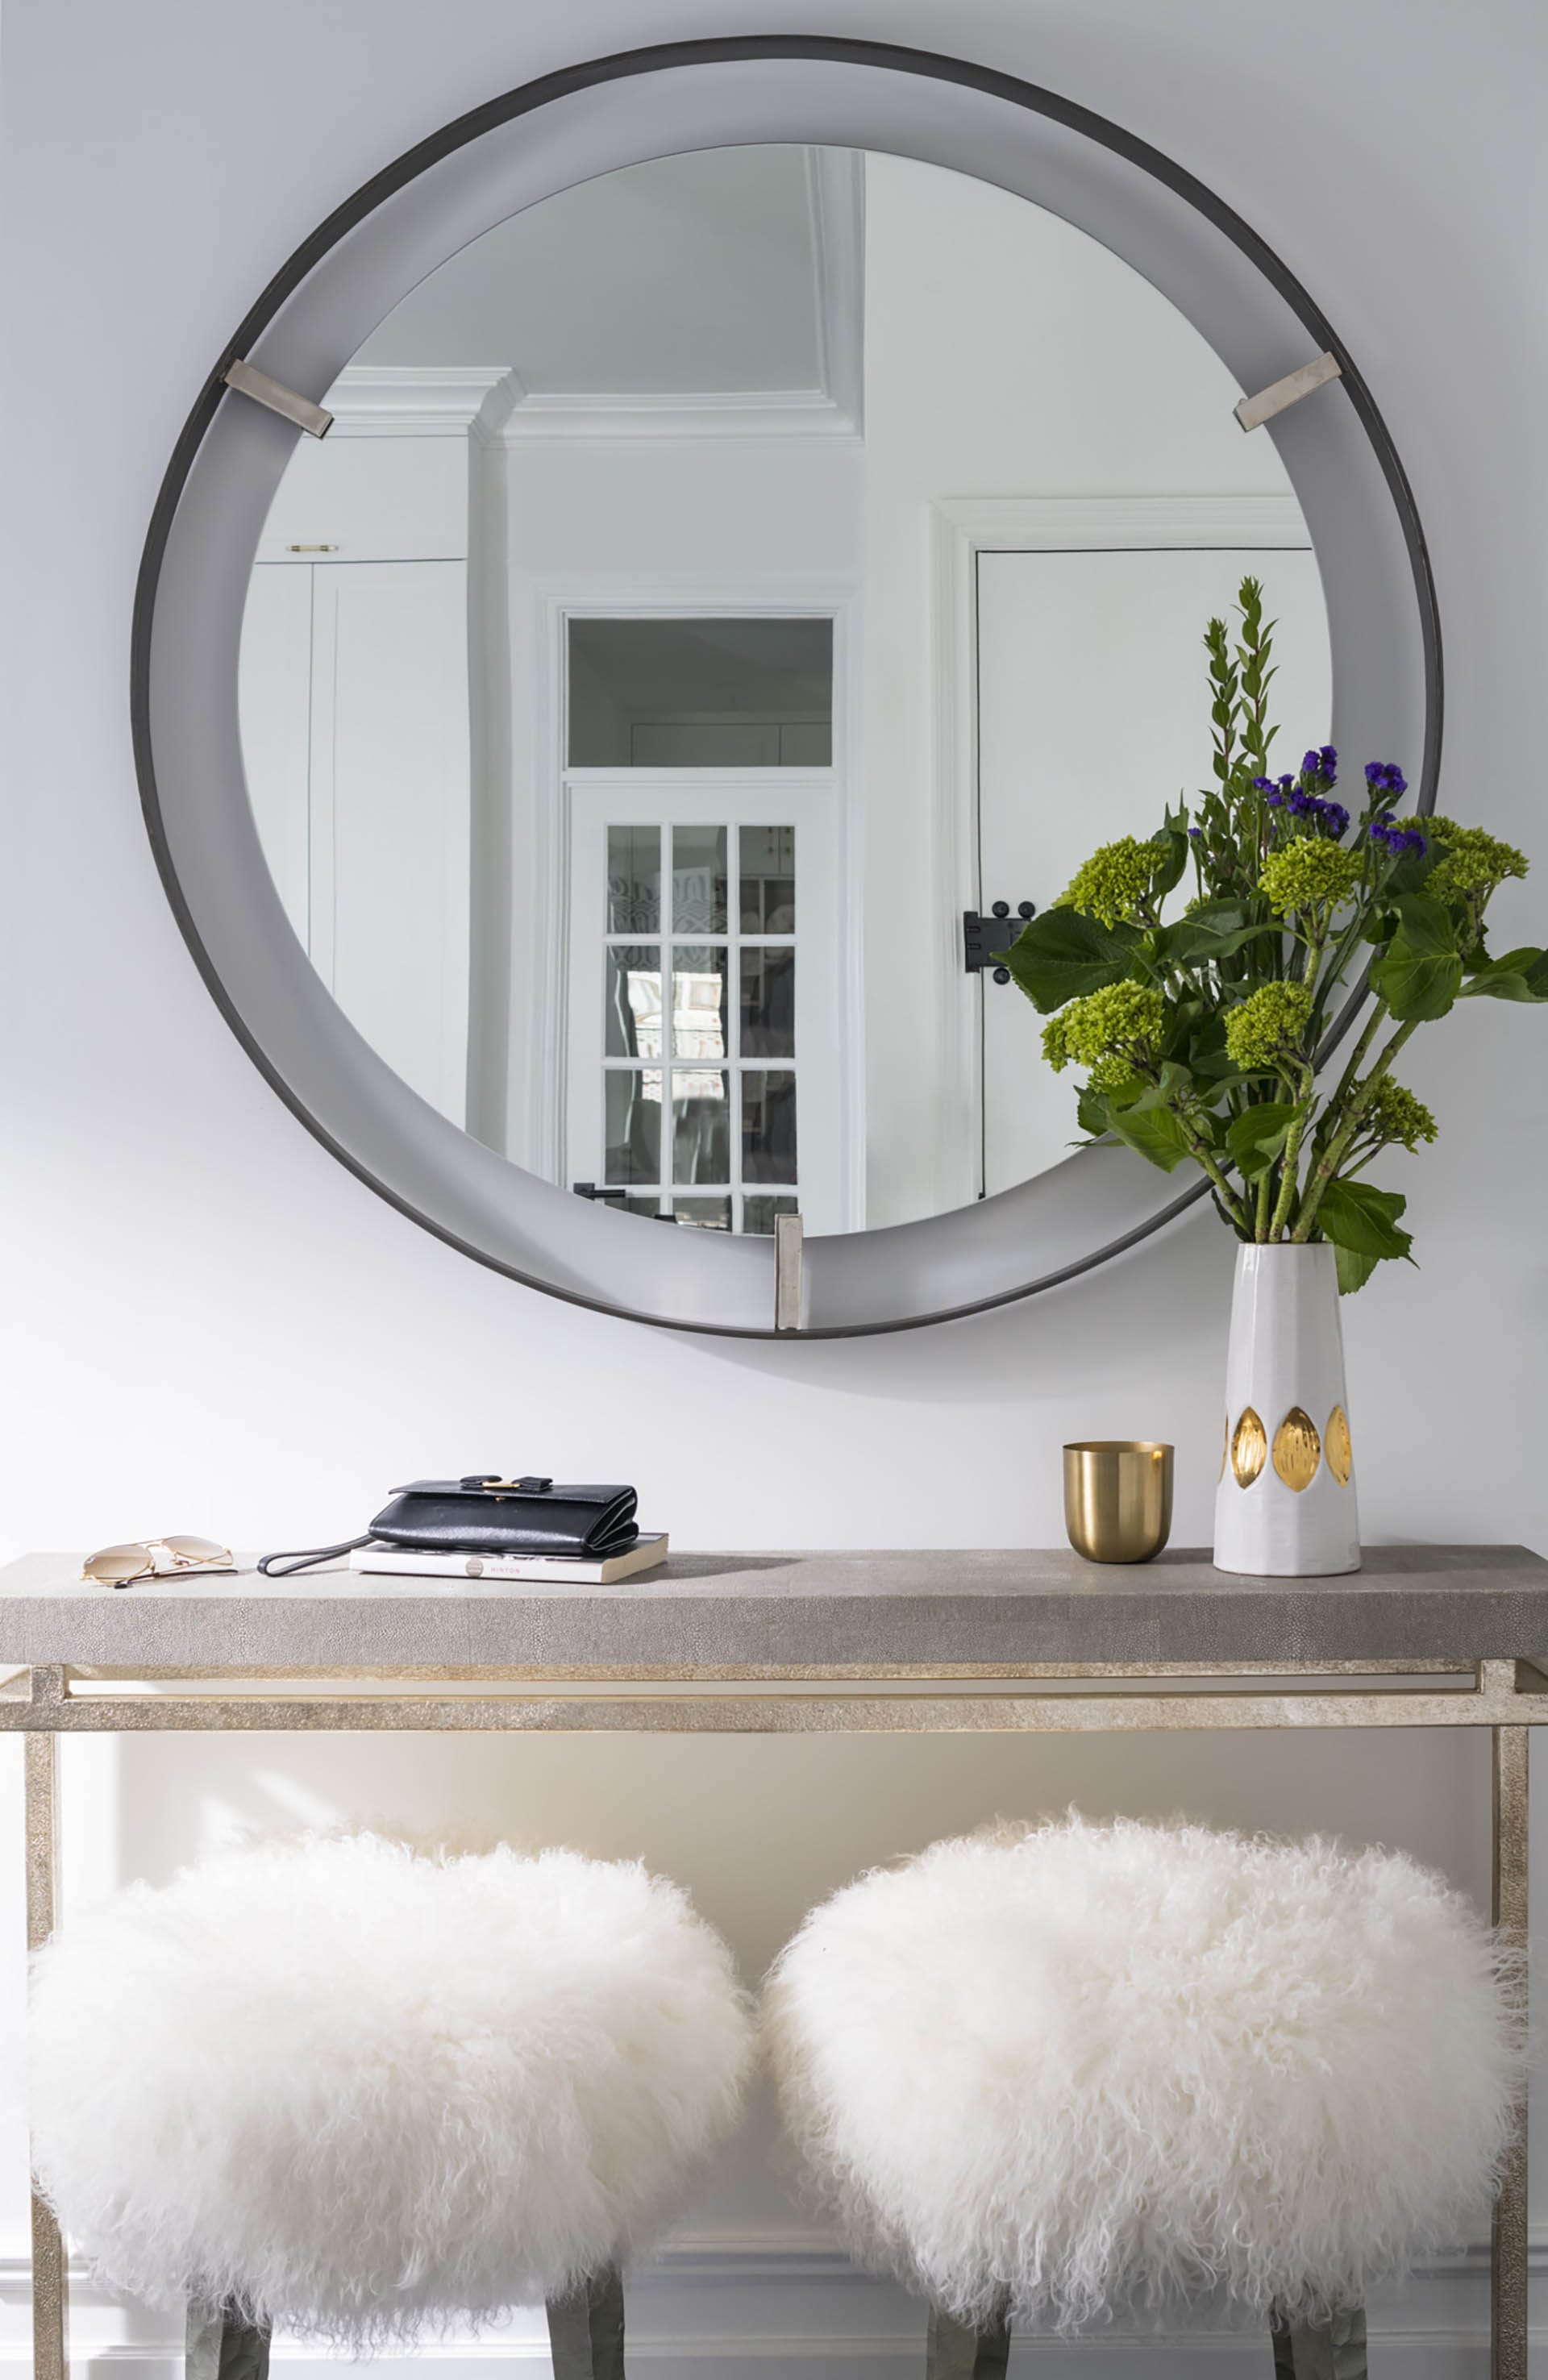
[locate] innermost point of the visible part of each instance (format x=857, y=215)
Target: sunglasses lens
x=116, y=1564
x=197, y=1549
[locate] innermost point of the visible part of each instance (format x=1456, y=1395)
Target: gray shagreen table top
x=811, y=1610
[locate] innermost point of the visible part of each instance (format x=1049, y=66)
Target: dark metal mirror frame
x=512, y=151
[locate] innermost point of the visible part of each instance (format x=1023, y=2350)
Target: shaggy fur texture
x=357, y=2090
x=1090, y=2065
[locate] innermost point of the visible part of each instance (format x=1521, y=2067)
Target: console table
x=902, y=1643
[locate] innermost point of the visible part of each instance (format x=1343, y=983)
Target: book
x=648, y=1552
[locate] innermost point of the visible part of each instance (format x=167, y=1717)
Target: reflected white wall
x=1007, y=354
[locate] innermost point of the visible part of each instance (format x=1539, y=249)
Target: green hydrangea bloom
x=1122, y=1020
x=1113, y=881
x=1111, y=1074
x=1472, y=862
x=1397, y=1114
x=1269, y=1022
x=1310, y=873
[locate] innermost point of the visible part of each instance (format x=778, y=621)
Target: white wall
x=209, y=1325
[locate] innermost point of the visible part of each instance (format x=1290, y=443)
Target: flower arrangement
x=1199, y=1035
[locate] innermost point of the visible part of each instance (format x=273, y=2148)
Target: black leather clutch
x=485, y=1513
x=508, y=1516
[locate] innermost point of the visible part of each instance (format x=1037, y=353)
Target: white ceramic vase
x=1286, y=1504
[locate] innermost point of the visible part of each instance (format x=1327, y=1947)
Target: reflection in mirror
x=719, y=578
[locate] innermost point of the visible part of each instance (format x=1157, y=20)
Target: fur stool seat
x=337, y=2086
x=1043, y=2074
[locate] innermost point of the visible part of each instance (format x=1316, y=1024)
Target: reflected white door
x=354, y=737
x=703, y=1039
x=1092, y=717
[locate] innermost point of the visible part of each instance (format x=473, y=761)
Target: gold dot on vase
x=1298, y=1449
x=1250, y=1447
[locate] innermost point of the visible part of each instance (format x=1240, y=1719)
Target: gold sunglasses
x=156, y=1558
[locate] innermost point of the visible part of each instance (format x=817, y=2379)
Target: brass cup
x=1119, y=1499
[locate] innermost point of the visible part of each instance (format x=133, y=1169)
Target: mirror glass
x=718, y=579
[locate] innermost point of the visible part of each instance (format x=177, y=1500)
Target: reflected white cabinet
x=355, y=732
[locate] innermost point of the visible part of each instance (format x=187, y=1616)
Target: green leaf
x=1063, y=955
x=1413, y=868
x=1419, y=973
x=1213, y=1087
x=1212, y=932
x=1419, y=988
x=1425, y=925
x=1172, y=1081
x=1255, y=1137
x=1171, y=841
x=1358, y=1216
x=1155, y=1133
x=1353, y=1270
x=1091, y=1111
x=1518, y=975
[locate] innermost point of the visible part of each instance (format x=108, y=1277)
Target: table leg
x=1508, y=2261
x=50, y=2352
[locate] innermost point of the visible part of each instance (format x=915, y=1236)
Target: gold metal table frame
x=1507, y=1696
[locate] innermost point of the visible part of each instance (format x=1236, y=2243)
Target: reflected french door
x=702, y=1066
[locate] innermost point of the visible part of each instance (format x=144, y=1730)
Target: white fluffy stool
x=335, y=2085
x=1041, y=2074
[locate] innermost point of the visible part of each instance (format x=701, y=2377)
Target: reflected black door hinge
x=984, y=938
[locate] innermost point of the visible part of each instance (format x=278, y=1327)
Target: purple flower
x=1274, y=799
x=1263, y=784
x=1385, y=779
x=1195, y=833
x=1399, y=839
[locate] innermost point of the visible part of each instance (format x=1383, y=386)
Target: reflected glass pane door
x=634, y=879
x=768, y=880
x=632, y=1111
x=769, y=1150
x=632, y=1007
x=768, y=1001
x=700, y=922
x=701, y=1018
x=698, y=881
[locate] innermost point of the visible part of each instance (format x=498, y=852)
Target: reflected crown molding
x=422, y=400
x=714, y=413
x=488, y=401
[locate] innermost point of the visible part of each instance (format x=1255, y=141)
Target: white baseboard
x=764, y=2303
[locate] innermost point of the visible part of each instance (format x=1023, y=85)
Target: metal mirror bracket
x=510, y=153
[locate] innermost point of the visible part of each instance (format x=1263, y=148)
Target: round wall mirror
x=747, y=570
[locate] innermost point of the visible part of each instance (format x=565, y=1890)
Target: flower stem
x=1265, y=1185
x=1357, y=1056
x=1204, y=1156
x=1328, y=1163
x=1287, y=1180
